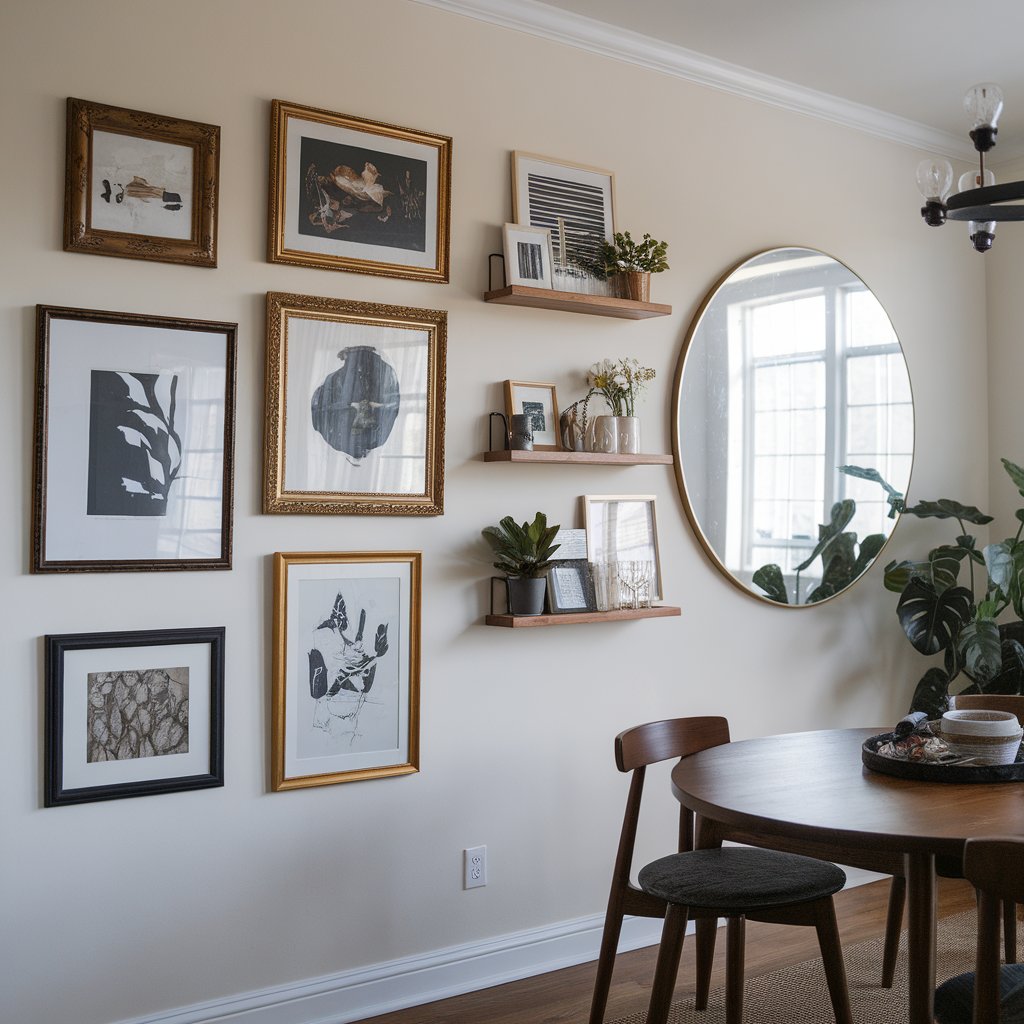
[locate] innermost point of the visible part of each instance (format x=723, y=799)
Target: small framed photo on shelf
x=570, y=587
x=142, y=186
x=357, y=195
x=624, y=528
x=133, y=713
x=346, y=667
x=539, y=402
x=133, y=443
x=355, y=407
x=528, y=256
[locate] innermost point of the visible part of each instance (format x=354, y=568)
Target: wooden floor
x=563, y=997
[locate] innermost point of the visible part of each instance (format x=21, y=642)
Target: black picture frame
x=559, y=599
x=59, y=708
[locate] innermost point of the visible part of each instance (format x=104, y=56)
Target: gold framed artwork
x=140, y=186
x=354, y=407
x=346, y=667
x=351, y=194
x=540, y=402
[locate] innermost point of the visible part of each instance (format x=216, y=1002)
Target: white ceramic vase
x=628, y=432
x=603, y=435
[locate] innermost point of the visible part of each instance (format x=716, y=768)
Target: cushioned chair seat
x=740, y=878
x=954, y=999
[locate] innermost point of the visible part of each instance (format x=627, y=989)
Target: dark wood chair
x=737, y=883
x=991, y=994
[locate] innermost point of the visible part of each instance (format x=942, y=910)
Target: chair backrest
x=992, y=702
x=995, y=865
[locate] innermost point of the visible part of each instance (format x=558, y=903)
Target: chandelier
x=978, y=199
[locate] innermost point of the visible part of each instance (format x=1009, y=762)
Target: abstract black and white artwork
x=539, y=401
x=346, y=667
x=352, y=194
x=133, y=713
x=528, y=258
x=135, y=421
x=355, y=408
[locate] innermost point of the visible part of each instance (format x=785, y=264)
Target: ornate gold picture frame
x=140, y=186
x=354, y=407
x=346, y=695
x=351, y=194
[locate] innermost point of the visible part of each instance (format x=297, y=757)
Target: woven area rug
x=797, y=995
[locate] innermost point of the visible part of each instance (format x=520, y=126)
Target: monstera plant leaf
x=894, y=497
x=842, y=513
x=931, y=695
x=981, y=646
x=932, y=620
x=1005, y=565
x=940, y=570
x=838, y=564
x=769, y=579
x=946, y=508
x=1016, y=474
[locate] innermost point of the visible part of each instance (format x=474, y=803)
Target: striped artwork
x=573, y=210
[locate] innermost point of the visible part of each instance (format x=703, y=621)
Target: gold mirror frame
x=676, y=428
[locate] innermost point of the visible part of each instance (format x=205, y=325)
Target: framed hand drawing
x=134, y=430
x=133, y=714
x=623, y=528
x=355, y=407
x=356, y=195
x=346, y=667
x=142, y=186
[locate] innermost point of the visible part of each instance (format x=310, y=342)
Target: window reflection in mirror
x=791, y=370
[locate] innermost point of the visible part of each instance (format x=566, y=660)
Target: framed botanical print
x=346, y=667
x=624, y=528
x=133, y=713
x=351, y=194
x=134, y=431
x=142, y=186
x=355, y=407
x=540, y=403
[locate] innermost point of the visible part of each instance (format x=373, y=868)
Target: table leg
x=921, y=937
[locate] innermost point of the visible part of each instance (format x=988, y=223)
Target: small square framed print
x=142, y=186
x=528, y=256
x=571, y=587
x=133, y=442
x=539, y=402
x=133, y=713
x=346, y=667
x=624, y=528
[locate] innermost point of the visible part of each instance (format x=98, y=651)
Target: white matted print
x=539, y=401
x=355, y=418
x=623, y=528
x=346, y=667
x=528, y=258
x=134, y=442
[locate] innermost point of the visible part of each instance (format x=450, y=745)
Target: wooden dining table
x=810, y=793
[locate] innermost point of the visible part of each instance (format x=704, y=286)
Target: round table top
x=813, y=786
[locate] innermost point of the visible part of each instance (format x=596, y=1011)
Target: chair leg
x=735, y=934
x=832, y=959
x=668, y=964
x=707, y=931
x=606, y=961
x=1009, y=931
x=893, y=924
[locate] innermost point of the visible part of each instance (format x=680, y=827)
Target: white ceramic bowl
x=980, y=723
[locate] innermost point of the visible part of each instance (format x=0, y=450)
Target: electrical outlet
x=474, y=867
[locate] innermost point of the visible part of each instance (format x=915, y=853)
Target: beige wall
x=122, y=909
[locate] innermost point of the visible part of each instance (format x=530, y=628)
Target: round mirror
x=794, y=426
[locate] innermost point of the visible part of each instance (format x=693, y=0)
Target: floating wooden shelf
x=660, y=611
x=583, y=458
x=576, y=302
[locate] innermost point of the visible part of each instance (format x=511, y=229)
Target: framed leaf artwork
x=134, y=431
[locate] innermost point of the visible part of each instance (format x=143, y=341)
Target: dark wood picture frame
x=59, y=646
x=44, y=562
x=199, y=248
x=581, y=567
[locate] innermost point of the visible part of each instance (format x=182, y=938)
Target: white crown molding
x=598, y=37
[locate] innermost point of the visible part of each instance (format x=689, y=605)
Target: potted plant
x=941, y=614
x=524, y=556
x=634, y=261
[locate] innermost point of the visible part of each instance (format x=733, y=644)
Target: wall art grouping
x=346, y=667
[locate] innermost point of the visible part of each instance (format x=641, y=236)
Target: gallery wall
x=129, y=909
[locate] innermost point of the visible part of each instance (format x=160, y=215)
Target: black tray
x=923, y=772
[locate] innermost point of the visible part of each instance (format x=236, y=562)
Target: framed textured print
x=355, y=407
x=527, y=256
x=133, y=714
x=351, y=194
x=346, y=667
x=624, y=528
x=134, y=428
x=540, y=403
x=570, y=586
x=142, y=186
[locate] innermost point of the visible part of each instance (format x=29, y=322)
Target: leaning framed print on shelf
x=528, y=258
x=355, y=407
x=133, y=713
x=623, y=528
x=571, y=586
x=134, y=436
x=346, y=667
x=351, y=194
x=141, y=186
x=539, y=402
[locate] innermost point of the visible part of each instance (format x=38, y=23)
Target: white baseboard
x=369, y=991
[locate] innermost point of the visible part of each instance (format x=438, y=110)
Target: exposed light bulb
x=984, y=104
x=982, y=234
x=975, y=179
x=934, y=179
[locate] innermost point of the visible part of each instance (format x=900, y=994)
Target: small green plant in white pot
x=524, y=556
